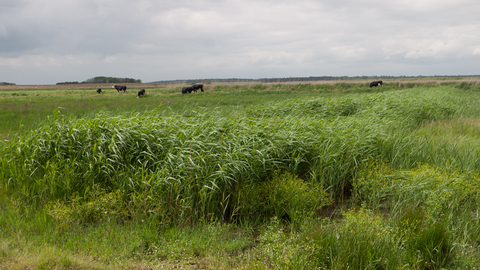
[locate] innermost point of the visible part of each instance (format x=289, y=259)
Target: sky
x=50, y=41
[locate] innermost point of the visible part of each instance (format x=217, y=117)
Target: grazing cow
x=192, y=88
x=120, y=88
x=197, y=86
x=141, y=93
x=375, y=83
x=187, y=90
x=99, y=90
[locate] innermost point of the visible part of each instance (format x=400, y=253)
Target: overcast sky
x=50, y=41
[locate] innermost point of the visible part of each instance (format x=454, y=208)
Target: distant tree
x=58, y=83
x=6, y=83
x=103, y=79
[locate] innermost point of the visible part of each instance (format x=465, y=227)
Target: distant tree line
x=311, y=78
x=103, y=79
x=6, y=83
x=67, y=83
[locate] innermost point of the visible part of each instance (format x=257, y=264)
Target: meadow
x=242, y=176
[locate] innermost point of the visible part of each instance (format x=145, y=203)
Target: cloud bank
x=46, y=41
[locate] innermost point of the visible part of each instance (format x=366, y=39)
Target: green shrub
x=410, y=221
x=371, y=185
x=283, y=196
x=99, y=207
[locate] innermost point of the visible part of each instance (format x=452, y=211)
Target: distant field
x=161, y=85
x=25, y=106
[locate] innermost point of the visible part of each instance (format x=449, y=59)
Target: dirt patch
x=330, y=211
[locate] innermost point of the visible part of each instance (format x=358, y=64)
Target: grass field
x=242, y=176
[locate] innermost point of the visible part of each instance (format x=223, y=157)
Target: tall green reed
x=193, y=166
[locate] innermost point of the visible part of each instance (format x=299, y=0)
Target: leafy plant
x=100, y=207
x=284, y=196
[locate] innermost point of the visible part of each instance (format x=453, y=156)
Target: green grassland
x=242, y=176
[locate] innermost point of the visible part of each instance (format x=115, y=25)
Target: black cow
x=141, y=93
x=120, y=88
x=197, y=86
x=376, y=83
x=99, y=90
x=192, y=88
x=187, y=90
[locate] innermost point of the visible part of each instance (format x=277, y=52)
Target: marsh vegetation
x=277, y=176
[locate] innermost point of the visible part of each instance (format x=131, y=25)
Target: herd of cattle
x=141, y=93
x=194, y=88
x=124, y=89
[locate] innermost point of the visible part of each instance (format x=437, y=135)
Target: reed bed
x=194, y=165
x=263, y=166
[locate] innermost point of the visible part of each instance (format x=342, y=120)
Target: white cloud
x=432, y=48
x=41, y=61
x=349, y=52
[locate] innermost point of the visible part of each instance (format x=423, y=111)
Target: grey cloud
x=155, y=40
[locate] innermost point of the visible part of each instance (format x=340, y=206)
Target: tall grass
x=273, y=163
x=195, y=164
